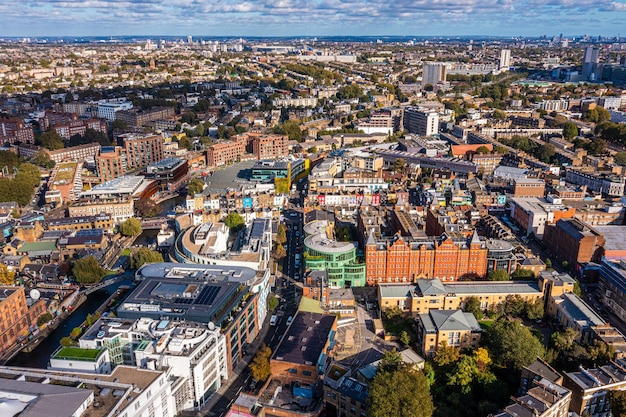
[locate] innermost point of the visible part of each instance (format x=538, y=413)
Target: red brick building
x=15, y=316
x=526, y=187
x=574, y=241
x=405, y=260
x=224, y=153
x=13, y=129
x=268, y=146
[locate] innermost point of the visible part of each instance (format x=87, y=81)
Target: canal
x=39, y=357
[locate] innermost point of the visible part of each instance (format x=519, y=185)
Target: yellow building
x=120, y=209
x=452, y=327
x=432, y=294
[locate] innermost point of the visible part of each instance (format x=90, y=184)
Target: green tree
x=399, y=390
x=617, y=400
x=281, y=234
x=272, y=302
x=290, y=128
x=545, y=152
x=145, y=207
x=43, y=319
x=43, y=160
x=131, y=227
x=196, y=185
x=119, y=125
x=260, y=366
x=66, y=341
x=405, y=339
x=570, y=131
x=548, y=263
x=144, y=256
x=399, y=164
x=87, y=270
x=498, y=114
x=482, y=150
x=512, y=345
x=51, y=140
x=234, y=221
x=535, y=310
x=472, y=305
x=521, y=273
x=514, y=305
x=620, y=158
x=498, y=275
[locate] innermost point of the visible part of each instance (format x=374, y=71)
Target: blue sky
x=312, y=17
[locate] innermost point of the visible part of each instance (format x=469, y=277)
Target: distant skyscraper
x=433, y=73
x=505, y=58
x=591, y=60
x=190, y=39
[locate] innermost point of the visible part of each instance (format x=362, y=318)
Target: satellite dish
x=211, y=326
x=34, y=294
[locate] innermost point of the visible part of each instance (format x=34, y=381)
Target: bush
x=43, y=319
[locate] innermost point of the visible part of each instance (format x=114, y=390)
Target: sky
x=37, y=18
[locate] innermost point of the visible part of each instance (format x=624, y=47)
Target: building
x=453, y=327
x=543, y=399
x=533, y=214
x=233, y=298
x=609, y=185
x=111, y=163
x=447, y=257
x=591, y=387
x=270, y=171
x=612, y=286
x=79, y=153
x=574, y=241
x=304, y=352
x=421, y=122
x=429, y=294
x=528, y=187
x=207, y=244
x=537, y=371
x=65, y=183
x=434, y=73
x=108, y=109
x=193, y=352
x=126, y=392
x=268, y=146
x=142, y=150
x=348, y=397
x=95, y=361
x=120, y=209
x=101, y=221
x=140, y=118
x=572, y=312
x=224, y=153
x=171, y=174
x=17, y=319
x=323, y=253
x=505, y=59
x=13, y=130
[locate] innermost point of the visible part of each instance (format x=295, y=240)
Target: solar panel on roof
x=207, y=295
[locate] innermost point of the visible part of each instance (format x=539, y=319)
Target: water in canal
x=39, y=358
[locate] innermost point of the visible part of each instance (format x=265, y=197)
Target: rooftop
x=127, y=184
x=305, y=339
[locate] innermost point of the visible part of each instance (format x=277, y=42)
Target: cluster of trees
x=279, y=243
x=514, y=306
x=596, y=115
x=544, y=152
x=316, y=71
x=612, y=132
x=144, y=256
x=234, y=222
x=349, y=92
x=19, y=188
x=398, y=389
x=147, y=208
x=87, y=270
x=290, y=128
x=565, y=353
x=195, y=186
x=90, y=136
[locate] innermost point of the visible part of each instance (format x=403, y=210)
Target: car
x=289, y=320
x=273, y=320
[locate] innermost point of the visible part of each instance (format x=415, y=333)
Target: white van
x=273, y=320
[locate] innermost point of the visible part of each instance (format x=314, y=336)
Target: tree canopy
x=50, y=140
x=398, y=390
x=87, y=270
x=21, y=187
x=570, y=130
x=498, y=275
x=6, y=277
x=234, y=221
x=144, y=256
x=512, y=344
x=131, y=227
x=260, y=366
x=196, y=185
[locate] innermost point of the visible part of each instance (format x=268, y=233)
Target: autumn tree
x=260, y=365
x=6, y=277
x=281, y=234
x=195, y=186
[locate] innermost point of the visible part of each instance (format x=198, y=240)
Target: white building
x=434, y=73
x=421, y=122
x=108, y=109
x=505, y=59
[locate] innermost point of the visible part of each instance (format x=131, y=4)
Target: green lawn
x=396, y=326
x=125, y=252
x=77, y=353
x=485, y=324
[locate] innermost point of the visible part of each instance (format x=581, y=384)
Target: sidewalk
x=252, y=349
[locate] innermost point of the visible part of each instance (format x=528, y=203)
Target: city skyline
x=32, y=18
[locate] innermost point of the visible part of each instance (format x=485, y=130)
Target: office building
x=224, y=153
x=107, y=109
x=574, y=241
x=533, y=214
x=529, y=187
x=171, y=174
x=421, y=122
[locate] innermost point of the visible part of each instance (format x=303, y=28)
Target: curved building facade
x=338, y=259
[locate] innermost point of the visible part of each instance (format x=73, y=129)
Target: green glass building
x=338, y=259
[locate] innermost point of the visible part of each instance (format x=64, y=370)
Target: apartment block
x=13, y=130
x=591, y=388
x=533, y=214
x=609, y=185
x=120, y=209
x=573, y=241
x=268, y=146
x=142, y=150
x=224, y=153
x=140, y=118
x=80, y=153
x=421, y=122
x=65, y=183
x=453, y=327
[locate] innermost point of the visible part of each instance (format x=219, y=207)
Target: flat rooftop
x=304, y=341
x=127, y=184
x=230, y=177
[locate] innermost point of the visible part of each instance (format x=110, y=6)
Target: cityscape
x=266, y=222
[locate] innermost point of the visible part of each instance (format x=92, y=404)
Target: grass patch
x=486, y=324
x=125, y=252
x=77, y=353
